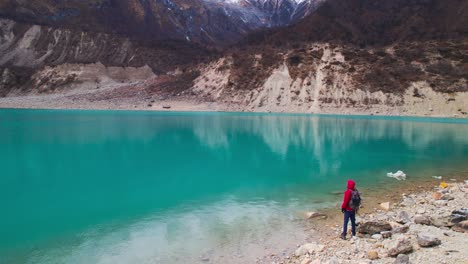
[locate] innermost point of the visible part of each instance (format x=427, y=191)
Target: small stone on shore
x=385, y=206
x=402, y=259
x=427, y=240
x=373, y=255
x=461, y=227
x=402, y=246
x=422, y=220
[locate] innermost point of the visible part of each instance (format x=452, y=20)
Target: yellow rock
x=372, y=254
x=443, y=185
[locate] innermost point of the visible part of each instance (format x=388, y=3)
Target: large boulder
x=422, y=220
x=374, y=227
x=461, y=227
x=427, y=240
x=402, y=246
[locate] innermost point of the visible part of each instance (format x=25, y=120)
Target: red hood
x=351, y=184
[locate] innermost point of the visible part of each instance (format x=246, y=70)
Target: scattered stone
x=373, y=255
x=461, y=227
x=441, y=222
x=427, y=240
x=447, y=197
x=403, y=218
x=402, y=259
x=421, y=211
x=422, y=220
x=306, y=260
x=437, y=195
x=402, y=246
x=374, y=227
x=386, y=234
x=440, y=203
x=309, y=248
x=385, y=206
x=377, y=236
x=166, y=107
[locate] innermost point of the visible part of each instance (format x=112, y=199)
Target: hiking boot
x=343, y=237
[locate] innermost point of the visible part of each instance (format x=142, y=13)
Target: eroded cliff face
x=409, y=78
x=26, y=49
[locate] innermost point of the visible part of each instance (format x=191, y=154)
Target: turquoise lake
x=150, y=187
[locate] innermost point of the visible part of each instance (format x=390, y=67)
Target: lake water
x=145, y=187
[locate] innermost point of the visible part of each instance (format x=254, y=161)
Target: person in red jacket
x=348, y=211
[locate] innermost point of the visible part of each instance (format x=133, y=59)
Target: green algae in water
x=144, y=187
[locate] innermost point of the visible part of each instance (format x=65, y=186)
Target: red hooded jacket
x=347, y=196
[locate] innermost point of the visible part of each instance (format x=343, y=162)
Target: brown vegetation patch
x=248, y=72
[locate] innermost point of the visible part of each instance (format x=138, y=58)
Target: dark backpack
x=355, y=201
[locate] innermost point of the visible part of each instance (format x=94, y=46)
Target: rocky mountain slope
x=163, y=35
x=209, y=22
x=397, y=57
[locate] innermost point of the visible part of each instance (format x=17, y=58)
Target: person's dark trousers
x=349, y=215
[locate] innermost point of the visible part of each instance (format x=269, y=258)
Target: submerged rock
x=374, y=227
x=402, y=246
x=427, y=240
x=313, y=215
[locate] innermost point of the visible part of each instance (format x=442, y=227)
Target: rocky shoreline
x=425, y=227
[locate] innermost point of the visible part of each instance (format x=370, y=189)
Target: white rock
x=399, y=175
x=309, y=248
x=385, y=206
x=377, y=236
